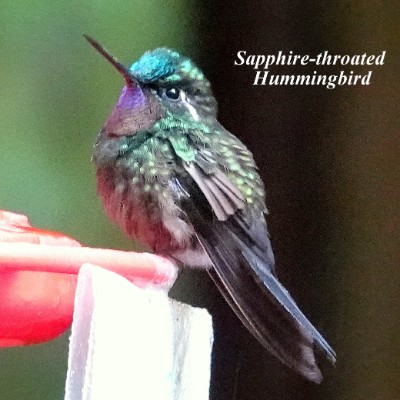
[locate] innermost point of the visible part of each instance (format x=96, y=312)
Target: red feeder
x=34, y=306
x=38, y=275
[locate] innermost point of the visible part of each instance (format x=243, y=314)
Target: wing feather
x=222, y=196
x=238, y=245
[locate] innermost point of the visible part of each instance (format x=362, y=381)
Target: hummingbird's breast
x=136, y=191
x=136, y=181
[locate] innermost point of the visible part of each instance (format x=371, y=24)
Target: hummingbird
x=172, y=177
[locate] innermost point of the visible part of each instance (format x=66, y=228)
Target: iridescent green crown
x=165, y=65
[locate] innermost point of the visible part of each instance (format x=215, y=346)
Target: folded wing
x=237, y=243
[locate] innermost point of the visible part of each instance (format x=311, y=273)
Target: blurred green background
x=330, y=160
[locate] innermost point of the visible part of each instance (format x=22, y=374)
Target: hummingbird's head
x=161, y=83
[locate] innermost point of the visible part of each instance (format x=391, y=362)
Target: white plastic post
x=132, y=343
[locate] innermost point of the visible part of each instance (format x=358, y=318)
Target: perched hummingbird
x=174, y=178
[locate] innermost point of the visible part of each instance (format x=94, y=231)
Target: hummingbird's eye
x=172, y=93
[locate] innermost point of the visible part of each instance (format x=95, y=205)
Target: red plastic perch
x=38, y=271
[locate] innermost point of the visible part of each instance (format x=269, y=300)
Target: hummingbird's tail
x=279, y=333
x=243, y=272
x=236, y=240
x=266, y=308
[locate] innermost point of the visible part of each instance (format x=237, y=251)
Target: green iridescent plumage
x=167, y=66
x=174, y=178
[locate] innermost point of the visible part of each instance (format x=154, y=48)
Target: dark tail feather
x=240, y=251
x=267, y=320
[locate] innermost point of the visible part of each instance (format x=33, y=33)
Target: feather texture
x=236, y=240
x=222, y=196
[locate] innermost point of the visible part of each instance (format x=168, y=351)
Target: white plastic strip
x=131, y=343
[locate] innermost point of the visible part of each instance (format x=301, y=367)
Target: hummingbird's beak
x=129, y=78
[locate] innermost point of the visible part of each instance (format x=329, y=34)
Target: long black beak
x=129, y=78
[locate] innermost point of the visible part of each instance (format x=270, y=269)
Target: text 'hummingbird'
x=175, y=179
